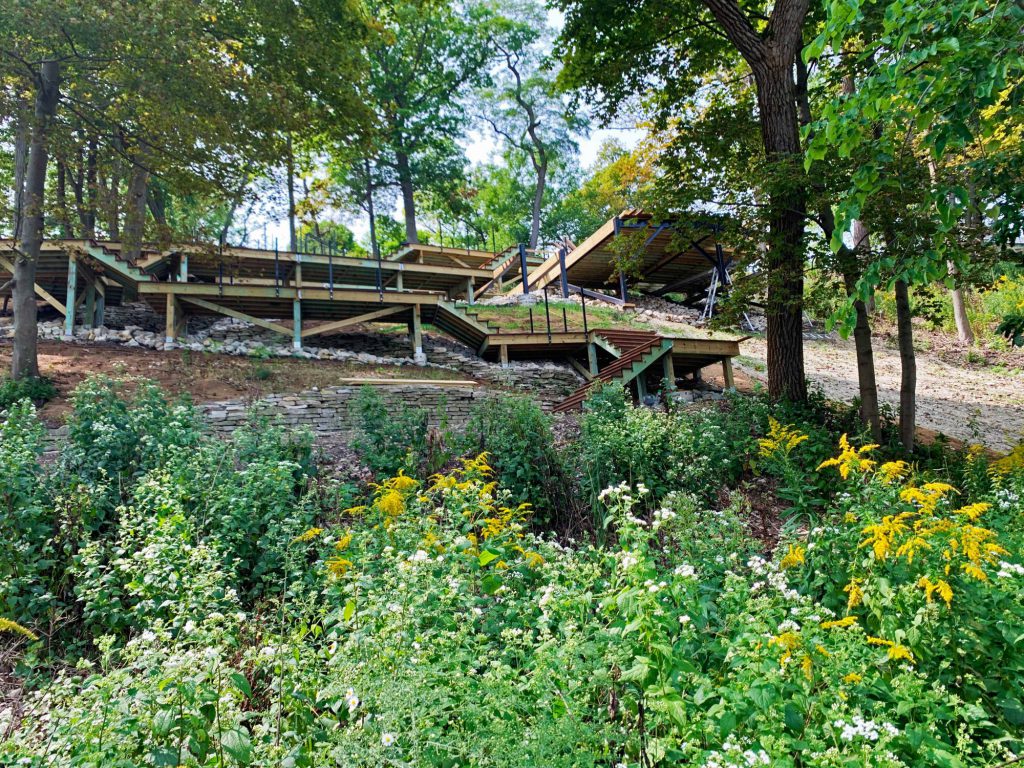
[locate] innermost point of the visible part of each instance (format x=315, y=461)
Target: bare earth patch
x=204, y=376
x=972, y=404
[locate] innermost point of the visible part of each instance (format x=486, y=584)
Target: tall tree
x=613, y=47
x=425, y=59
x=521, y=103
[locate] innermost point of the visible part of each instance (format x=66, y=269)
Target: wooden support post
x=623, y=294
x=565, y=274
x=69, y=302
x=90, y=306
x=171, y=325
x=592, y=357
x=417, y=336
x=641, y=387
x=398, y=281
x=470, y=288
x=503, y=352
x=669, y=370
x=297, y=305
x=727, y=373
x=183, y=268
x=101, y=303
x=523, y=268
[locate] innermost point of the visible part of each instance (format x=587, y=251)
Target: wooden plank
x=339, y=324
x=582, y=370
x=227, y=311
x=287, y=293
x=41, y=292
x=711, y=347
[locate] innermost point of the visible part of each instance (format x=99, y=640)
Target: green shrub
x=390, y=438
x=38, y=390
x=516, y=434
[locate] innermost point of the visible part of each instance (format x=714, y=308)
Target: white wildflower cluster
x=612, y=493
x=662, y=516
x=1009, y=570
x=655, y=586
x=351, y=701
x=771, y=577
x=1007, y=499
x=627, y=560
x=685, y=571
x=735, y=755
x=859, y=728
x=788, y=626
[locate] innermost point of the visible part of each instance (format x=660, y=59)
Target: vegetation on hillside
x=172, y=599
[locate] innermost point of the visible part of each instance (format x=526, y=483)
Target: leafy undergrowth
x=180, y=601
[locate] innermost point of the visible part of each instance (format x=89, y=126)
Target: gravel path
x=978, y=405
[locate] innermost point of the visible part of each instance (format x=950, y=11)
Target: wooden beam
x=417, y=336
x=503, y=355
x=368, y=296
x=727, y=374
x=714, y=347
x=228, y=312
x=339, y=324
x=69, y=302
x=40, y=291
x=581, y=369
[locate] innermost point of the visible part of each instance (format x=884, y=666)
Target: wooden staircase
x=638, y=351
x=455, y=321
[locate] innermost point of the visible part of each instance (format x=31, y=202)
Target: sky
x=480, y=148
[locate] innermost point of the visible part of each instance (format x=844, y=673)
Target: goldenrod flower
x=855, y=593
x=891, y=471
x=930, y=587
x=850, y=459
x=852, y=678
x=343, y=543
x=338, y=566
x=793, y=558
x=781, y=439
x=308, y=535
x=843, y=623
x=14, y=628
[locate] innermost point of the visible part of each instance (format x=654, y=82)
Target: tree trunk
x=135, y=210
x=964, y=332
x=22, y=136
x=787, y=203
x=292, y=238
x=24, y=354
x=374, y=248
x=91, y=190
x=408, y=202
x=63, y=214
x=908, y=367
x=538, y=202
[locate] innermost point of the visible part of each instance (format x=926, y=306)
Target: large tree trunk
x=408, y=201
x=24, y=355
x=538, y=202
x=293, y=240
x=867, y=385
x=63, y=213
x=135, y=209
x=22, y=135
x=908, y=367
x=787, y=201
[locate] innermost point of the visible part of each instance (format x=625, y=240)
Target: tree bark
x=964, y=332
x=408, y=201
x=135, y=209
x=770, y=54
x=293, y=239
x=787, y=203
x=24, y=354
x=63, y=214
x=908, y=367
x=538, y=202
x=22, y=136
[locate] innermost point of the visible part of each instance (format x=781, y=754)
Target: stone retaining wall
x=329, y=411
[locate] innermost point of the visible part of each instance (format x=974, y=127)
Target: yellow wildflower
x=843, y=623
x=403, y=483
x=343, y=543
x=855, y=593
x=338, y=566
x=533, y=559
x=793, y=558
x=852, y=678
x=14, y=628
x=308, y=535
x=781, y=439
x=850, y=459
x=1011, y=462
x=930, y=587
x=897, y=652
x=973, y=511
x=391, y=504
x=891, y=471
x=807, y=665
x=789, y=642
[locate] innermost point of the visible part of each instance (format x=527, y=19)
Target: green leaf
x=486, y=557
x=349, y=611
x=237, y=744
x=793, y=718
x=241, y=683
x=163, y=721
